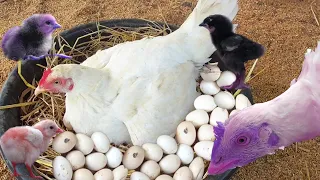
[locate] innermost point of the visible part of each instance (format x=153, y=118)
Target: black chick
x=233, y=49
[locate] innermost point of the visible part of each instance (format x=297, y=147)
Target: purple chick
x=261, y=129
x=234, y=49
x=32, y=40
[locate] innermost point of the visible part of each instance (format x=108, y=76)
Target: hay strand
x=313, y=13
x=22, y=78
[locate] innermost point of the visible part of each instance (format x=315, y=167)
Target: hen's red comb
x=45, y=75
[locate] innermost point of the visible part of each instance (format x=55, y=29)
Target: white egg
x=120, y=173
x=96, y=161
x=139, y=176
x=197, y=168
x=76, y=159
x=204, y=102
x=64, y=142
x=210, y=73
x=218, y=115
x=204, y=149
x=226, y=78
x=205, y=133
x=225, y=100
x=62, y=169
x=133, y=157
x=101, y=142
x=185, y=153
x=164, y=177
x=170, y=163
x=151, y=169
x=168, y=144
x=242, y=102
x=183, y=173
x=84, y=144
x=152, y=152
x=104, y=174
x=209, y=87
x=114, y=157
x=233, y=112
x=186, y=133
x=198, y=117
x=83, y=174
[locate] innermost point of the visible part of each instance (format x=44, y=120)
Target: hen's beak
x=59, y=130
x=39, y=90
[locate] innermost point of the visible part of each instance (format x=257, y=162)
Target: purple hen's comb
x=219, y=132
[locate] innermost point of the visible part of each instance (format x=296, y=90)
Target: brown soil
x=286, y=28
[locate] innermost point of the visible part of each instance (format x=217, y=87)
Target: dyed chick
x=32, y=40
x=261, y=129
x=233, y=49
x=24, y=144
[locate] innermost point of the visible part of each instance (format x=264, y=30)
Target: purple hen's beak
x=220, y=168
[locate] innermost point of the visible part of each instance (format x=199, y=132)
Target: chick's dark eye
x=48, y=22
x=243, y=140
x=51, y=127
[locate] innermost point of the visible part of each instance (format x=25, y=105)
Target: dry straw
x=52, y=106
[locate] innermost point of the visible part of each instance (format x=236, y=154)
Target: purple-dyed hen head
x=240, y=142
x=45, y=23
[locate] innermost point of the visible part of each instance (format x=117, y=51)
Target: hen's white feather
x=142, y=89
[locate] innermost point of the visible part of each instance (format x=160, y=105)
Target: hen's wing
x=154, y=106
x=101, y=58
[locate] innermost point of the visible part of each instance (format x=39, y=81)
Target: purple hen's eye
x=48, y=22
x=243, y=140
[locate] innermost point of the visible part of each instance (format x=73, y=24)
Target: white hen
x=137, y=91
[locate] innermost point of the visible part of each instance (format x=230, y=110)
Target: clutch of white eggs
x=181, y=157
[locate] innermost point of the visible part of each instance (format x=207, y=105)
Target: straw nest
x=52, y=106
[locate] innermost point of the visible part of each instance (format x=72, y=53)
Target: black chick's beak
x=203, y=25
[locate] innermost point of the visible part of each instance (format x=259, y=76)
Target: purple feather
x=218, y=132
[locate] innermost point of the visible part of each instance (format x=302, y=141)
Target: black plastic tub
x=14, y=86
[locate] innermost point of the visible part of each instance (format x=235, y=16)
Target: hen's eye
x=51, y=127
x=243, y=140
x=48, y=22
x=57, y=82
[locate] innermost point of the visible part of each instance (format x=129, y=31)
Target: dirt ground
x=285, y=27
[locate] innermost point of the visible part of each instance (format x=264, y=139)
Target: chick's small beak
x=59, y=130
x=203, y=25
x=56, y=26
x=39, y=90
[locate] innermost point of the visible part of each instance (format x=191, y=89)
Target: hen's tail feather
x=311, y=65
x=205, y=8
